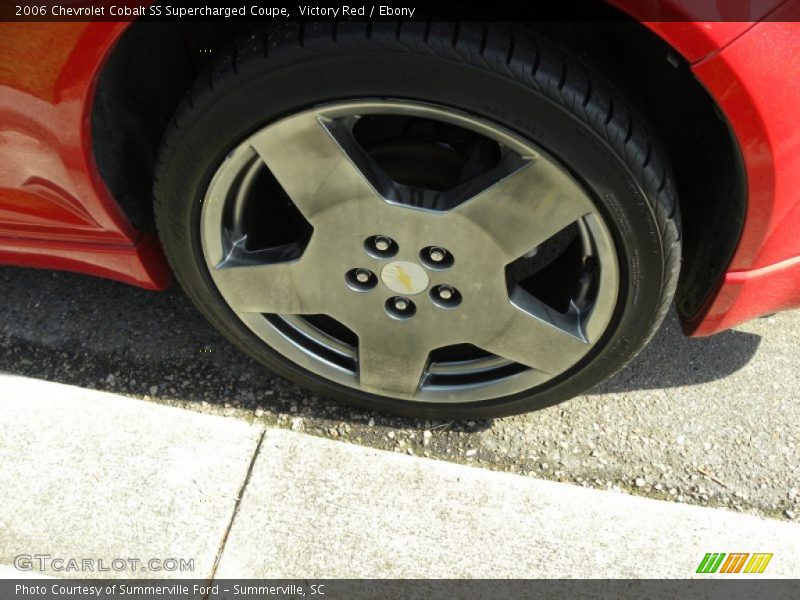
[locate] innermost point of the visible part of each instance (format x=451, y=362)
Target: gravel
x=710, y=421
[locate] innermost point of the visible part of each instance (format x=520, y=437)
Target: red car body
x=57, y=213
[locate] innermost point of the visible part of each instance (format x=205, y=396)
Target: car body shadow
x=104, y=335
x=674, y=360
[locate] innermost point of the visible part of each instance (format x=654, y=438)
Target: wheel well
x=138, y=92
x=154, y=64
x=705, y=156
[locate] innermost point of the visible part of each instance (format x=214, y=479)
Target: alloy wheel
x=410, y=250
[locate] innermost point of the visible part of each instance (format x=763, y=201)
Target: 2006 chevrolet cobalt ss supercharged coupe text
x=422, y=217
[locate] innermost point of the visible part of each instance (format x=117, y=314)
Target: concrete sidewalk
x=90, y=475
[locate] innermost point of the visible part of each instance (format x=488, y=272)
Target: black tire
x=521, y=81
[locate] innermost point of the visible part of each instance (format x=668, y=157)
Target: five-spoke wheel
x=413, y=275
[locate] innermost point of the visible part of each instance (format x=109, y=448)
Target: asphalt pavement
x=710, y=421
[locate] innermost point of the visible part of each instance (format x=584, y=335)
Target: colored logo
x=403, y=277
x=736, y=562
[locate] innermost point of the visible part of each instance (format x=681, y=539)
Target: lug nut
x=360, y=280
x=380, y=246
x=436, y=258
x=400, y=308
x=445, y=296
x=437, y=254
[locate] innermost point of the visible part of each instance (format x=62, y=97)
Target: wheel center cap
x=403, y=277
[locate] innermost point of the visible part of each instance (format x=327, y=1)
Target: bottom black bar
x=395, y=589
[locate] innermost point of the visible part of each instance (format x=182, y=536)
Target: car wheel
x=431, y=220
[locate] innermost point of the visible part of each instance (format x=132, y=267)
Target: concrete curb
x=93, y=475
x=90, y=475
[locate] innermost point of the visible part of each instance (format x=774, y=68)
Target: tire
x=523, y=83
